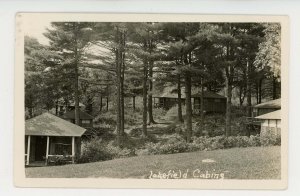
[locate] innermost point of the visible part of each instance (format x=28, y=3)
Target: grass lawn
x=236, y=163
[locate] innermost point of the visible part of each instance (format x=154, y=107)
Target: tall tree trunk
x=101, y=104
x=202, y=106
x=228, y=87
x=188, y=103
x=77, y=120
x=107, y=103
x=180, y=118
x=150, y=104
x=76, y=76
x=274, y=93
x=259, y=90
x=122, y=109
x=133, y=103
x=241, y=98
x=118, y=84
x=122, y=64
x=56, y=107
x=248, y=86
x=144, y=132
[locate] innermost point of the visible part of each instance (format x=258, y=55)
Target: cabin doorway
x=40, y=148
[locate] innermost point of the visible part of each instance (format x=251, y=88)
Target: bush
x=174, y=144
x=270, y=140
x=170, y=129
x=94, y=150
x=136, y=132
x=117, y=152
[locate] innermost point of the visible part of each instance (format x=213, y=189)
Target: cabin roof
x=61, y=102
x=50, y=125
x=276, y=103
x=271, y=116
x=82, y=115
x=209, y=94
x=206, y=94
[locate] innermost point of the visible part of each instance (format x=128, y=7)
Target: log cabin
x=48, y=136
x=213, y=102
x=85, y=120
x=62, y=107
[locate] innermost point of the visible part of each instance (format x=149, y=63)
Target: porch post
x=73, y=149
x=28, y=150
x=47, y=150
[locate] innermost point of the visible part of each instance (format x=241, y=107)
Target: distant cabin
x=61, y=107
x=85, y=120
x=270, y=123
x=213, y=102
x=266, y=107
x=48, y=136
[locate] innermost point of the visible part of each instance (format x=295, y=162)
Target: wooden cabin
x=270, y=124
x=62, y=107
x=85, y=120
x=266, y=107
x=213, y=103
x=48, y=136
x=167, y=100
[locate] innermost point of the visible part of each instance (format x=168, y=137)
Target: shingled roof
x=209, y=94
x=276, y=103
x=206, y=94
x=276, y=115
x=50, y=125
x=82, y=115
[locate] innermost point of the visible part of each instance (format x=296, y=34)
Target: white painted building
x=270, y=123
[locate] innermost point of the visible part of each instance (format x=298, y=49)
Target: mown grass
x=236, y=163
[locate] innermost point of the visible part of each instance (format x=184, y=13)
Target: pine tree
x=70, y=40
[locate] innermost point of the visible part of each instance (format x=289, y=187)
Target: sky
x=36, y=29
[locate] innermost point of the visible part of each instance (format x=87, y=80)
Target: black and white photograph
x=149, y=100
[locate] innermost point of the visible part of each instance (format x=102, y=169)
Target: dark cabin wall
x=32, y=148
x=211, y=105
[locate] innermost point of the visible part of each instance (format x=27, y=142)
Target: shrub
x=136, y=132
x=270, y=140
x=117, y=152
x=230, y=142
x=94, y=150
x=98, y=150
x=170, y=129
x=174, y=144
x=254, y=140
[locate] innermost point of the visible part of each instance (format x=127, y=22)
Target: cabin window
x=61, y=146
x=86, y=121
